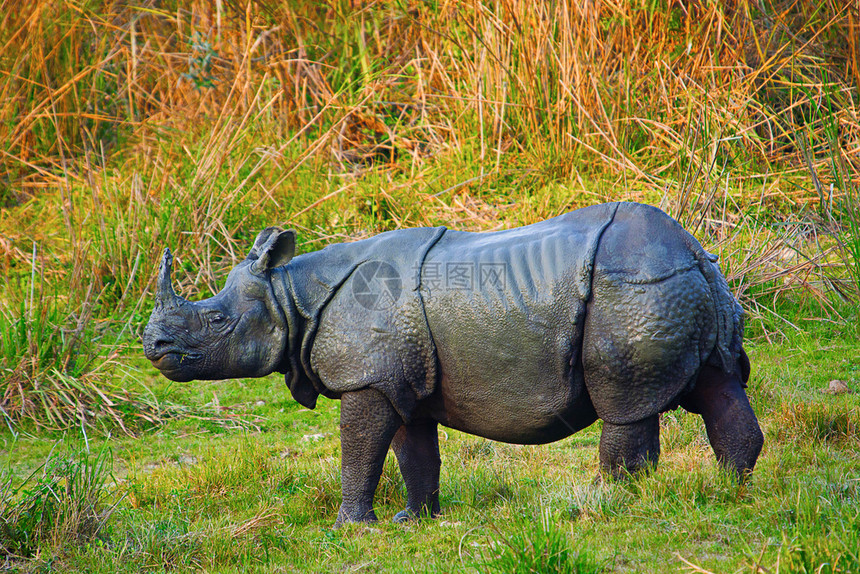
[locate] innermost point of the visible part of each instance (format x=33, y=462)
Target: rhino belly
x=509, y=368
x=511, y=412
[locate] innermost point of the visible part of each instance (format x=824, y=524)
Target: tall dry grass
x=629, y=81
x=125, y=127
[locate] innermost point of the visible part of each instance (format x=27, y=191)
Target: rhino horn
x=165, y=296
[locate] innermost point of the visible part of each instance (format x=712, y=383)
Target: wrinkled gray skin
x=611, y=312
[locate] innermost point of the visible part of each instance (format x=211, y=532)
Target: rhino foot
x=409, y=515
x=631, y=448
x=345, y=515
x=404, y=516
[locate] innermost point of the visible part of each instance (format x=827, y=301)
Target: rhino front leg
x=367, y=424
x=417, y=449
x=732, y=427
x=630, y=448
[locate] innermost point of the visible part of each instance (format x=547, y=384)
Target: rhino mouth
x=174, y=360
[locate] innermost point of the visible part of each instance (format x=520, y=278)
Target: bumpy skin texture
x=732, y=426
x=630, y=448
x=367, y=425
x=509, y=345
x=416, y=447
x=650, y=322
x=525, y=336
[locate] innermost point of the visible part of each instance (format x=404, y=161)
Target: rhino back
x=651, y=322
x=506, y=311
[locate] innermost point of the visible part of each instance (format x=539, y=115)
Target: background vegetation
x=129, y=126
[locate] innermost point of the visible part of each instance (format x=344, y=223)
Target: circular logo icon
x=376, y=286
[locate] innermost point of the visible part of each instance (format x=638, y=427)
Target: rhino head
x=240, y=332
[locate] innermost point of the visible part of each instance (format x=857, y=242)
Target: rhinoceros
x=526, y=336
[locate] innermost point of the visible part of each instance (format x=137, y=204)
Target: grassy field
x=203, y=494
x=128, y=127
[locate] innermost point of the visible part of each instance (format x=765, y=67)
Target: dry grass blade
x=692, y=567
x=263, y=519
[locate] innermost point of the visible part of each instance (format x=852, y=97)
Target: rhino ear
x=273, y=248
x=261, y=240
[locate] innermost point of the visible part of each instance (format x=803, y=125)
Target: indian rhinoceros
x=524, y=336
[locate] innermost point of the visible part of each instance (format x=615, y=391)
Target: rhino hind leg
x=368, y=423
x=416, y=447
x=732, y=427
x=632, y=448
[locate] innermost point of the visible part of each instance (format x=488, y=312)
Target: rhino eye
x=217, y=318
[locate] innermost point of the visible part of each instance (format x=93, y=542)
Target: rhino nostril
x=161, y=345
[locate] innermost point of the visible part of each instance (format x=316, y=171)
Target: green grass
x=67, y=500
x=193, y=496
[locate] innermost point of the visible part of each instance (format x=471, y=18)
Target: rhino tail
x=728, y=319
